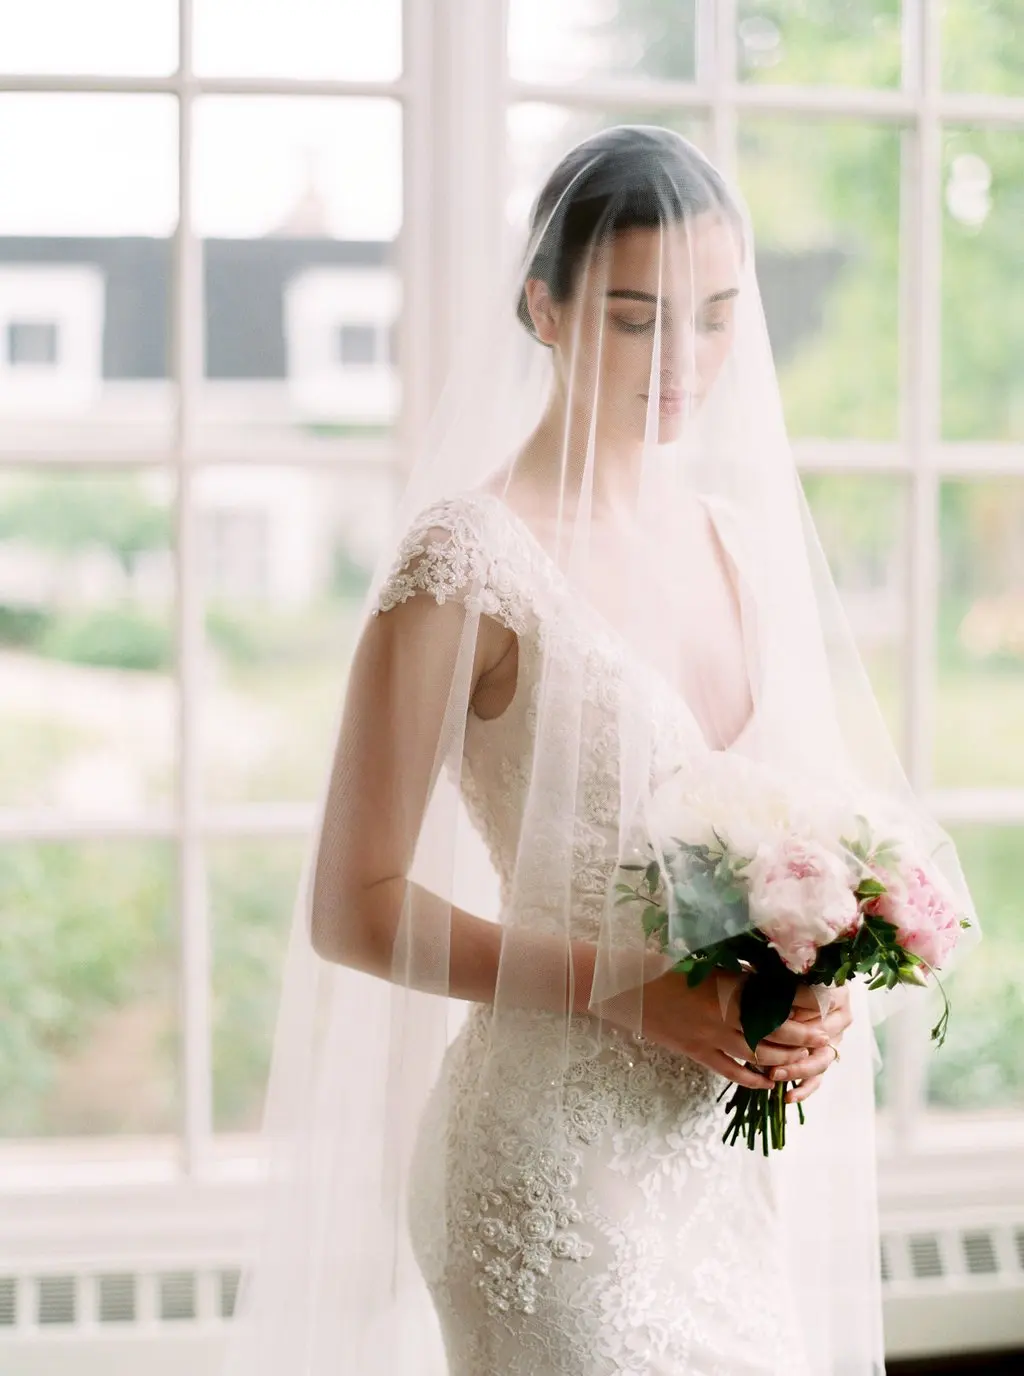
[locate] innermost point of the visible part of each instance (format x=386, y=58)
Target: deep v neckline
x=741, y=588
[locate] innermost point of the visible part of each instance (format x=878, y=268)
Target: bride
x=495, y=1114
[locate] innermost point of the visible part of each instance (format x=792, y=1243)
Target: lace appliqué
x=523, y=1223
x=446, y=554
x=518, y=1211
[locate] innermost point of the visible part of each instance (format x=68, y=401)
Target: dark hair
x=632, y=176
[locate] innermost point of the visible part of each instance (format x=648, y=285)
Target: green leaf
x=653, y=918
x=870, y=888
x=765, y=1004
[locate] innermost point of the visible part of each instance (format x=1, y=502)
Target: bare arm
x=394, y=716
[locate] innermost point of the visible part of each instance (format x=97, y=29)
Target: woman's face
x=672, y=289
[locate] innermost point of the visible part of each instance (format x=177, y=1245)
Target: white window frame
x=455, y=91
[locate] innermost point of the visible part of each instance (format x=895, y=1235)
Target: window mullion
x=467, y=154
x=187, y=363
x=920, y=326
x=716, y=76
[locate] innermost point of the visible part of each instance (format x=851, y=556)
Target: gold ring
x=756, y=1061
x=836, y=1050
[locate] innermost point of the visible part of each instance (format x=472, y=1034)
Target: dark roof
x=244, y=285
x=245, y=280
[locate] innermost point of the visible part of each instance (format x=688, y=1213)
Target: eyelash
x=646, y=326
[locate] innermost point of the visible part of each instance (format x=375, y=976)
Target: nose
x=678, y=370
x=677, y=364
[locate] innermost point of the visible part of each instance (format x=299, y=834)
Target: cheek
x=594, y=346
x=625, y=364
x=714, y=353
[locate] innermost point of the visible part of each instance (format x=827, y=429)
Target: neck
x=556, y=456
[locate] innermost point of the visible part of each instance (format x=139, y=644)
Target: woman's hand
x=689, y=1021
x=809, y=1070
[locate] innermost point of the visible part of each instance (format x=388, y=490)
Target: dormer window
x=360, y=345
x=340, y=332
x=51, y=338
x=32, y=343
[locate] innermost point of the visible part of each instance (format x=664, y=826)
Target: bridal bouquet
x=747, y=877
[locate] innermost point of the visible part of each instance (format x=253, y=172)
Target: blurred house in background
x=301, y=335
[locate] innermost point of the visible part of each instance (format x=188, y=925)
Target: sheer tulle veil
x=615, y=401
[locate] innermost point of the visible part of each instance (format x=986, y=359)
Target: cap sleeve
x=453, y=554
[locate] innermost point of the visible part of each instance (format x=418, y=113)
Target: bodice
x=551, y=760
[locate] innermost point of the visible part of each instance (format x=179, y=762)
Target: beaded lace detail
x=593, y=1224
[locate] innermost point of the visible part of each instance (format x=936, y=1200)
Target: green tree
x=86, y=936
x=110, y=511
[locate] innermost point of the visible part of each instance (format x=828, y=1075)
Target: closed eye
x=633, y=326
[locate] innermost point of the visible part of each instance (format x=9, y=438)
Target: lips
x=671, y=403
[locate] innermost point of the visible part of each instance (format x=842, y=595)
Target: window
x=225, y=308
x=883, y=167
x=882, y=212
x=237, y=553
x=192, y=490
x=32, y=343
x=358, y=344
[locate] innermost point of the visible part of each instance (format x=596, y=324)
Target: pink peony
x=801, y=899
x=918, y=905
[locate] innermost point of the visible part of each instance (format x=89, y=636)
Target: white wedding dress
x=636, y=1242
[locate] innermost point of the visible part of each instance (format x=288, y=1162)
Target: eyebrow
x=625, y=294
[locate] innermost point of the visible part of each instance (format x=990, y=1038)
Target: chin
x=671, y=427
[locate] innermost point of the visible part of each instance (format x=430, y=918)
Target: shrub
x=121, y=638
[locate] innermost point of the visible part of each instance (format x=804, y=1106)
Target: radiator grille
x=208, y=1294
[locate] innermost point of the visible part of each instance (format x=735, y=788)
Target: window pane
x=87, y=985
x=299, y=205
x=580, y=38
x=539, y=135
x=86, y=641
x=983, y=286
x=983, y=46
x=862, y=524
x=980, y=1065
x=253, y=885
x=819, y=42
x=31, y=343
x=979, y=736
x=102, y=38
x=287, y=555
x=824, y=199
x=359, y=343
x=316, y=39
x=89, y=204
